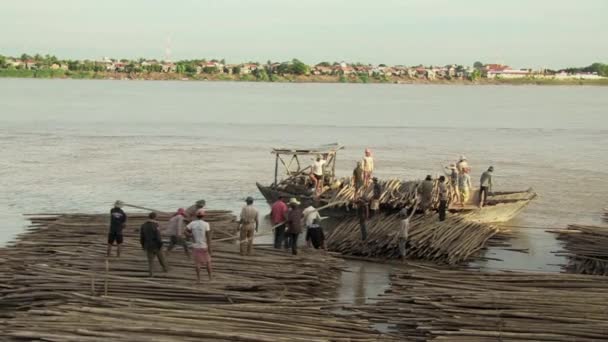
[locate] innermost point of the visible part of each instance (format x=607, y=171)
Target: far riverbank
x=158, y=76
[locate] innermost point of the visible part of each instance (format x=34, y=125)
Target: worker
x=175, y=227
x=464, y=186
x=452, y=174
x=425, y=191
x=404, y=229
x=375, y=205
x=118, y=221
x=191, y=211
x=200, y=232
x=151, y=242
x=248, y=224
x=485, y=186
x=443, y=198
x=462, y=164
x=317, y=174
x=315, y=234
x=363, y=215
x=358, y=179
x=278, y=213
x=368, y=166
x=294, y=224
x=311, y=219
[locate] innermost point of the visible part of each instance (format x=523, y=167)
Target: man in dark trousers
x=363, y=214
x=375, y=205
x=485, y=186
x=118, y=220
x=443, y=198
x=294, y=224
x=151, y=242
x=278, y=213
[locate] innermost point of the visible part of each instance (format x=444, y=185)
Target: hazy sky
x=535, y=33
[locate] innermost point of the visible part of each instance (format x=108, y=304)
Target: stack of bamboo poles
x=453, y=305
x=586, y=248
x=395, y=193
x=126, y=319
x=452, y=241
x=66, y=254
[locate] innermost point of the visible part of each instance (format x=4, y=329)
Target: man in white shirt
x=316, y=173
x=314, y=231
x=404, y=230
x=200, y=231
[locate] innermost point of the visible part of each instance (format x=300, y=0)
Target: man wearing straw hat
x=294, y=224
x=248, y=225
x=118, y=220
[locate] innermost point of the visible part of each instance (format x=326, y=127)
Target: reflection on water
x=363, y=281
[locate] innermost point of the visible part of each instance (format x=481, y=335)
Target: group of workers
x=183, y=224
x=290, y=217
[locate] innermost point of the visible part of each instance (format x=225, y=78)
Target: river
x=76, y=146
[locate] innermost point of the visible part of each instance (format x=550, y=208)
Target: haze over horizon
x=542, y=33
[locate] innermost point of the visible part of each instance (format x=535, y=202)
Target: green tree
x=2, y=61
x=210, y=70
x=25, y=57
x=475, y=75
x=261, y=75
x=299, y=68
x=324, y=64
x=236, y=70
x=477, y=65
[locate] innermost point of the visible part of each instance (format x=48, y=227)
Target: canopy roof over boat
x=293, y=166
x=323, y=149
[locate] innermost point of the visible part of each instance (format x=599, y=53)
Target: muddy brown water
x=76, y=146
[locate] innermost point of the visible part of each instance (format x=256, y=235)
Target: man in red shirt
x=278, y=214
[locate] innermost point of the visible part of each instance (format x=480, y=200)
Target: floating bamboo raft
x=452, y=241
x=586, y=248
x=452, y=305
x=55, y=285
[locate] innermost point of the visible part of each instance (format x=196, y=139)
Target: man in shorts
x=118, y=221
x=200, y=231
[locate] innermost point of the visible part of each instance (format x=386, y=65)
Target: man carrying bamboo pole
x=118, y=221
x=294, y=224
x=248, y=224
x=176, y=226
x=200, y=231
x=278, y=214
x=404, y=230
x=152, y=242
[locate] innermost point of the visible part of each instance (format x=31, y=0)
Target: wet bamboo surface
x=459, y=305
x=455, y=240
x=55, y=275
x=586, y=248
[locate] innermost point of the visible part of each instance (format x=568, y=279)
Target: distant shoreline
x=157, y=76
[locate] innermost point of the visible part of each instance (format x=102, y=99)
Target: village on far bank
x=47, y=66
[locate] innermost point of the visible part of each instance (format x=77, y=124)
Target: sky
x=520, y=33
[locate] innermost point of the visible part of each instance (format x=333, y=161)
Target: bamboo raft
x=455, y=240
x=586, y=248
x=452, y=305
x=56, y=285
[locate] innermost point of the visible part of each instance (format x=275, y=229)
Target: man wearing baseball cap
x=118, y=220
x=200, y=231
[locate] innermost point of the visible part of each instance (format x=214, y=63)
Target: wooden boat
x=397, y=194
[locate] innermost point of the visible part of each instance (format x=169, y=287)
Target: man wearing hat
x=191, y=212
x=248, y=225
x=485, y=186
x=294, y=224
x=118, y=220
